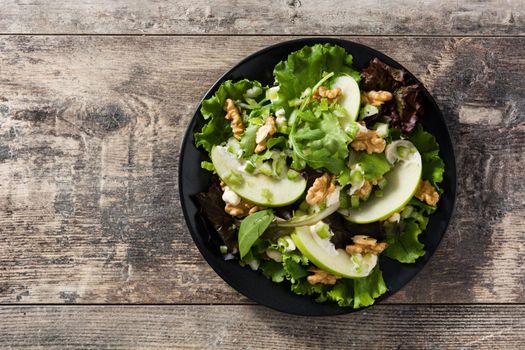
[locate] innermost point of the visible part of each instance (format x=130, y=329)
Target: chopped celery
x=354, y=202
x=324, y=231
x=249, y=167
x=207, y=165
x=292, y=174
x=234, y=178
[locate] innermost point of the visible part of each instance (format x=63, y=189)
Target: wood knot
x=107, y=118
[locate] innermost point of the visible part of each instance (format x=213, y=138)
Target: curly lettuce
x=305, y=67
x=218, y=129
x=433, y=165
x=403, y=242
x=292, y=267
x=318, y=139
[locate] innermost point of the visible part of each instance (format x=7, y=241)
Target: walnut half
x=368, y=141
x=321, y=188
x=364, y=244
x=321, y=276
x=233, y=114
x=330, y=94
x=376, y=98
x=364, y=191
x=427, y=193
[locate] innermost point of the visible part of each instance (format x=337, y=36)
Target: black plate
x=193, y=179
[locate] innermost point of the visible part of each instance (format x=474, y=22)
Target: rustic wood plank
x=306, y=17
x=248, y=327
x=90, y=129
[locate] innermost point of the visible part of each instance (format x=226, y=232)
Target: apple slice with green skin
x=323, y=254
x=259, y=189
x=402, y=183
x=351, y=100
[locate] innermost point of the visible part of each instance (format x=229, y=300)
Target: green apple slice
x=351, y=100
x=402, y=183
x=259, y=188
x=322, y=253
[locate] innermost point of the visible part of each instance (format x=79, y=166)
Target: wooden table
x=94, y=99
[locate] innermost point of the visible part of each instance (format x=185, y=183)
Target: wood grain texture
x=255, y=327
x=306, y=17
x=90, y=129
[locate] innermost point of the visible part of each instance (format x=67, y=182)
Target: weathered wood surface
x=306, y=17
x=90, y=129
x=255, y=327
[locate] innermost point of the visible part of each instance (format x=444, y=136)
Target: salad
x=318, y=175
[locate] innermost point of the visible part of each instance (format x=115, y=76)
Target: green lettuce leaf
x=427, y=209
x=342, y=292
x=318, y=139
x=305, y=67
x=273, y=270
x=248, y=140
x=403, y=243
x=294, y=262
x=346, y=292
x=293, y=269
x=217, y=129
x=433, y=165
x=367, y=289
x=302, y=287
x=276, y=141
x=374, y=165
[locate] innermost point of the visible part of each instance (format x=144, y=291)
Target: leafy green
x=403, y=243
x=248, y=140
x=293, y=264
x=374, y=165
x=433, y=165
x=318, y=139
x=380, y=76
x=302, y=287
x=342, y=292
x=211, y=207
x=368, y=288
x=346, y=292
x=217, y=129
x=252, y=227
x=408, y=108
x=276, y=141
x=428, y=209
x=305, y=67
x=273, y=270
